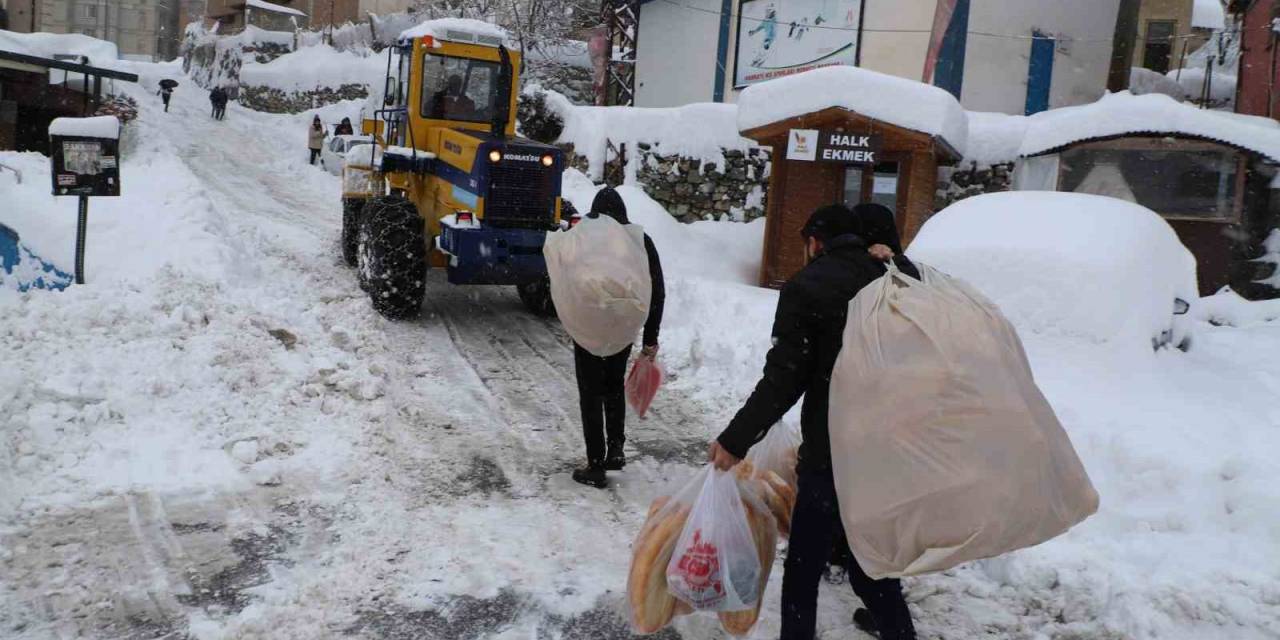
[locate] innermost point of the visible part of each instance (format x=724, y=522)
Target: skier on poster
x=770, y=28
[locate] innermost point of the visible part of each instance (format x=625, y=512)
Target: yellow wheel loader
x=447, y=183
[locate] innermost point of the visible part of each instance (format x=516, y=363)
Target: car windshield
x=458, y=88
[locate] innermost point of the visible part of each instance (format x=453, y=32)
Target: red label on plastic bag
x=699, y=568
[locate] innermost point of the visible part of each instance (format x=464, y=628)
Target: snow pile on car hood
x=1065, y=264
x=905, y=103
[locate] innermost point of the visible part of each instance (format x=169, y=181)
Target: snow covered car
x=1069, y=265
x=335, y=151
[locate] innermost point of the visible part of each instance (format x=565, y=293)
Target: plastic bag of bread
x=651, y=603
x=772, y=462
x=715, y=565
x=764, y=533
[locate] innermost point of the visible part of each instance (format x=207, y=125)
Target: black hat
x=876, y=225
x=830, y=221
x=608, y=202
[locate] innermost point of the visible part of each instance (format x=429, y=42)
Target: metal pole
x=857, y=50
x=82, y=228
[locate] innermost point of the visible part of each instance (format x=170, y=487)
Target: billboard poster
x=779, y=38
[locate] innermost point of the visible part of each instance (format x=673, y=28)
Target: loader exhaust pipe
x=502, y=110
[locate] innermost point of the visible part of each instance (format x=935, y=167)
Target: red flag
x=941, y=20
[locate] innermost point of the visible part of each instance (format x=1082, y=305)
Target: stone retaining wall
x=573, y=82
x=957, y=183
x=272, y=100
x=693, y=190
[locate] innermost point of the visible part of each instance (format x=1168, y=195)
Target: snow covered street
x=218, y=437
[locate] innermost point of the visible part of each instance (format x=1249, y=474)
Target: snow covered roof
x=99, y=127
x=1121, y=114
x=268, y=6
x=897, y=101
x=458, y=30
x=48, y=45
x=1208, y=14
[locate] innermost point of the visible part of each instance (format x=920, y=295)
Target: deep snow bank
x=318, y=66
x=161, y=218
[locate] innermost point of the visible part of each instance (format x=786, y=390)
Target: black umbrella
x=168, y=83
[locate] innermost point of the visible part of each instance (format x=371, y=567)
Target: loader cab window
x=458, y=88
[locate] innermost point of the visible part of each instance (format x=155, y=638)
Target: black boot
x=591, y=475
x=863, y=620
x=615, y=460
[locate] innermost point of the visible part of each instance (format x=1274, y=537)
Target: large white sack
x=600, y=283
x=943, y=448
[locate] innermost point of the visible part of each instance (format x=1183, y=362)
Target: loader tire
x=536, y=297
x=392, y=256
x=351, y=209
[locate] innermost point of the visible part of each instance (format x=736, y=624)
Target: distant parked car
x=335, y=150
x=1069, y=265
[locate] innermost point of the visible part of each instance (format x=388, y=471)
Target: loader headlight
x=495, y=156
x=547, y=160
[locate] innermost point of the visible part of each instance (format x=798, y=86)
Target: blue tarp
x=17, y=262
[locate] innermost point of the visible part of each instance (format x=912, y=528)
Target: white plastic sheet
x=600, y=283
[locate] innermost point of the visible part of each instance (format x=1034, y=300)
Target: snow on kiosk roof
x=97, y=127
x=458, y=30
x=1124, y=114
x=896, y=101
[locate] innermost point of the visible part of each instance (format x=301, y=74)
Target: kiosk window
x=458, y=88
x=867, y=184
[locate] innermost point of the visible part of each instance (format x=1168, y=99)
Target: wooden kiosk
x=837, y=155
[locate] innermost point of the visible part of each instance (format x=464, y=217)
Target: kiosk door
x=878, y=184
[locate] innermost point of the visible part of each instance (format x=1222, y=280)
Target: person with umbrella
x=166, y=91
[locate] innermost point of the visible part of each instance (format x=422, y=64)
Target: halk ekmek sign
x=833, y=146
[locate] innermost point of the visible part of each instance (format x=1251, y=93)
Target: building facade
x=1010, y=56
x=144, y=29
x=282, y=15
x=1169, y=30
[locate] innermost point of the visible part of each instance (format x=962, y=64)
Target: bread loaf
x=652, y=606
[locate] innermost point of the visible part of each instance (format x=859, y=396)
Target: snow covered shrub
x=124, y=108
x=537, y=120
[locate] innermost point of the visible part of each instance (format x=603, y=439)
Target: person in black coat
x=344, y=128
x=846, y=250
x=601, y=381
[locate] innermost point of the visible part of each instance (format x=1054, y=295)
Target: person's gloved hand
x=722, y=459
x=649, y=351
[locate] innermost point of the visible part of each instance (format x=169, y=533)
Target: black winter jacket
x=808, y=331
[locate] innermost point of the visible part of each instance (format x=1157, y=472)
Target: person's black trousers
x=815, y=527
x=601, y=394
x=315, y=153
x=165, y=98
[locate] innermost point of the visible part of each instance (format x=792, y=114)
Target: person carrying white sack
x=847, y=250
x=601, y=378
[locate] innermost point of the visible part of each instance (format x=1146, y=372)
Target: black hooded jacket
x=808, y=331
x=608, y=202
